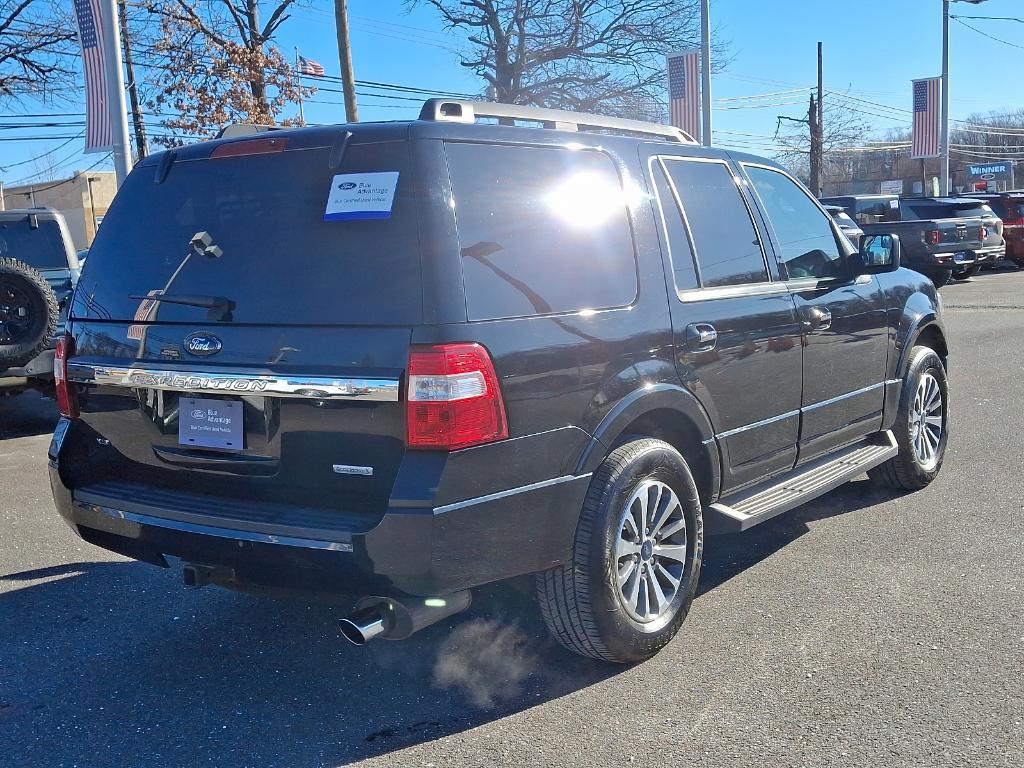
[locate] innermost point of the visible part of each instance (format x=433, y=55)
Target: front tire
x=921, y=427
x=636, y=558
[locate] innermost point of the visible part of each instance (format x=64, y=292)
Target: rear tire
x=636, y=558
x=966, y=273
x=921, y=427
x=940, y=277
x=29, y=313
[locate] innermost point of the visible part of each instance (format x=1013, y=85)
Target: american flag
x=310, y=67
x=99, y=136
x=684, y=91
x=925, y=140
x=143, y=314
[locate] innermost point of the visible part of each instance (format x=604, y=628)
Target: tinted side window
x=727, y=246
x=541, y=230
x=806, y=241
x=680, y=251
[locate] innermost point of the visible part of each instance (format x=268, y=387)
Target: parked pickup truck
x=993, y=247
x=935, y=247
x=1009, y=207
x=38, y=272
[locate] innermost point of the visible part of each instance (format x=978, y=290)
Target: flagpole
x=120, y=143
x=302, y=115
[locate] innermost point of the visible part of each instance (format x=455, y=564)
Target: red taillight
x=983, y=233
x=932, y=236
x=67, y=395
x=454, y=398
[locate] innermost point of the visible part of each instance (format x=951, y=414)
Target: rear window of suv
x=41, y=247
x=279, y=260
x=541, y=230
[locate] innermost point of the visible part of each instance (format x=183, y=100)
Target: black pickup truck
x=939, y=236
x=38, y=271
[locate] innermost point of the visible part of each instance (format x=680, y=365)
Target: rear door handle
x=701, y=337
x=818, y=319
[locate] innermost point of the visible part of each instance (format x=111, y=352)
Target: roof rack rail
x=460, y=111
x=234, y=130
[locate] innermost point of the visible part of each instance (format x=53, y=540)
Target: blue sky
x=873, y=49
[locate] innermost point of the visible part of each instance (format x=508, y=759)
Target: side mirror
x=879, y=254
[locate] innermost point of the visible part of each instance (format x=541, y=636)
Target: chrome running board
x=747, y=508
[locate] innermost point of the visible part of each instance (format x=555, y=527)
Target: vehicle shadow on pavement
x=26, y=414
x=729, y=555
x=119, y=662
x=116, y=663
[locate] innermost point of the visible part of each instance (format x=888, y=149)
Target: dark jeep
x=401, y=360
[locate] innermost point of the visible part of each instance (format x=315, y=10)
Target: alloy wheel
x=650, y=551
x=16, y=316
x=927, y=422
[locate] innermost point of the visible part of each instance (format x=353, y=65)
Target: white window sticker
x=894, y=203
x=361, y=196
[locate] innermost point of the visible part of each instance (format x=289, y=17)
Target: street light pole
x=944, y=120
x=118, y=111
x=944, y=127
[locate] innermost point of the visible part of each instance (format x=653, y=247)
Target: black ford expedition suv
x=398, y=361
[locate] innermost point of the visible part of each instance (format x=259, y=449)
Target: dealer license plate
x=206, y=423
x=960, y=256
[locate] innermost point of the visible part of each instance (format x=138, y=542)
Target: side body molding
x=662, y=396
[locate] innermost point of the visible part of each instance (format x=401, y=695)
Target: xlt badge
x=202, y=344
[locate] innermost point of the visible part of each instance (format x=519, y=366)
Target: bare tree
x=843, y=129
x=216, y=62
x=36, y=48
x=589, y=55
x=986, y=136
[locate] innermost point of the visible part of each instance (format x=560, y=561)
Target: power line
x=32, y=160
x=987, y=18
x=65, y=181
x=960, y=21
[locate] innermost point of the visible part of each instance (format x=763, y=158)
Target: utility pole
x=133, y=91
x=820, y=124
x=348, y=82
x=815, y=156
x=120, y=145
x=705, y=70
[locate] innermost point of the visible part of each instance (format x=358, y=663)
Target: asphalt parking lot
x=865, y=629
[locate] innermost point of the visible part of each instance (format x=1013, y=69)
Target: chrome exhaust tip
x=388, y=618
x=363, y=626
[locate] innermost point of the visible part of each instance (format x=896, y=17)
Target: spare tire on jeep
x=29, y=313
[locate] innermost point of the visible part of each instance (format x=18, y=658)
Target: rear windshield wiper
x=220, y=307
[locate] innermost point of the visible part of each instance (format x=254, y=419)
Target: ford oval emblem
x=203, y=344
